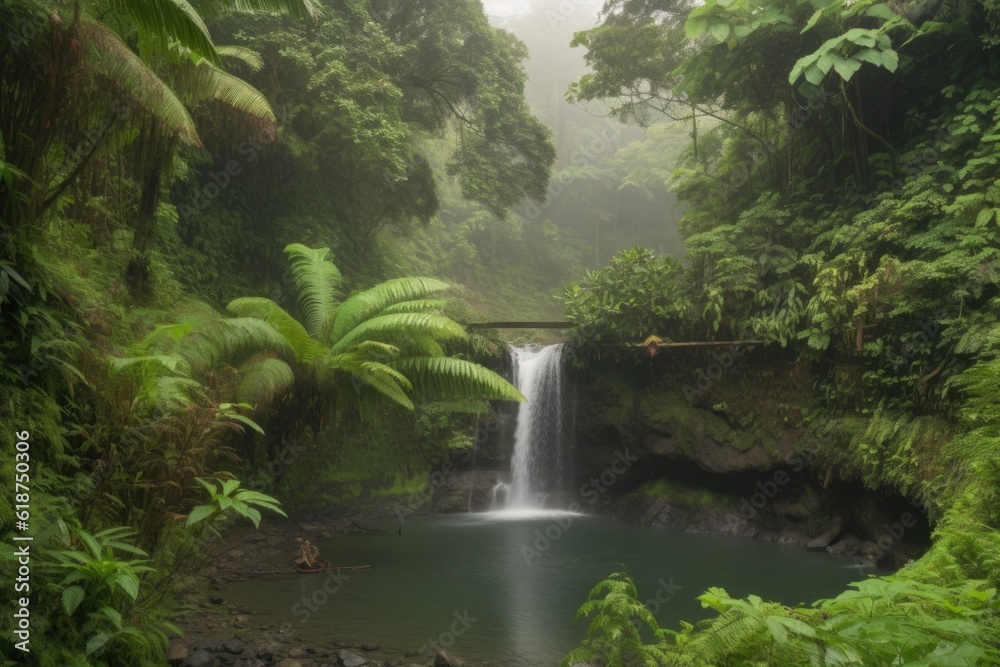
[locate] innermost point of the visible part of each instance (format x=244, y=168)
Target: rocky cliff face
x=734, y=464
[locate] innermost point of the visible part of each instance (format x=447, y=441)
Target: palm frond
x=203, y=81
x=248, y=57
x=126, y=71
x=294, y=8
x=165, y=20
x=388, y=327
x=455, y=378
x=317, y=283
x=304, y=346
x=370, y=302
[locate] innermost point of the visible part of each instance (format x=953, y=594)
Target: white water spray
x=536, y=464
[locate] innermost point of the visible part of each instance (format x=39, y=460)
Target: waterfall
x=536, y=465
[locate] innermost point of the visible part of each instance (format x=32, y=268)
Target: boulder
x=288, y=662
x=347, y=658
x=826, y=538
x=370, y=646
x=846, y=546
x=445, y=659
x=200, y=658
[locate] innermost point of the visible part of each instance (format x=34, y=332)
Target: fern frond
x=317, y=283
x=304, y=346
x=447, y=377
x=415, y=306
x=387, y=327
x=264, y=381
x=371, y=302
x=382, y=378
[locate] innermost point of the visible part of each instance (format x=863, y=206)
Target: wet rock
x=233, y=646
x=200, y=658
x=265, y=653
x=215, y=600
x=177, y=653
x=847, y=546
x=295, y=652
x=288, y=662
x=370, y=646
x=346, y=658
x=826, y=538
x=445, y=659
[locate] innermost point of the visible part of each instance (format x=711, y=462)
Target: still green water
x=488, y=588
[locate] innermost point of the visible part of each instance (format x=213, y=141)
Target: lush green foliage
x=617, y=307
x=883, y=621
x=841, y=206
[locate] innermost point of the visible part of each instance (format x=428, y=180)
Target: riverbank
x=219, y=632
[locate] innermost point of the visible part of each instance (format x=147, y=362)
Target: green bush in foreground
x=882, y=621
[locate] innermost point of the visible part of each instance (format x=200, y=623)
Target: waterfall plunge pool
x=504, y=586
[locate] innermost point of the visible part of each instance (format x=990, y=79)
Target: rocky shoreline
x=221, y=633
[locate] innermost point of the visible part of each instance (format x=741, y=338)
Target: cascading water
x=536, y=465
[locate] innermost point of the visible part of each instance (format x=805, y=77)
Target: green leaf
x=199, y=513
x=846, y=68
x=97, y=641
x=720, y=31
x=71, y=598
